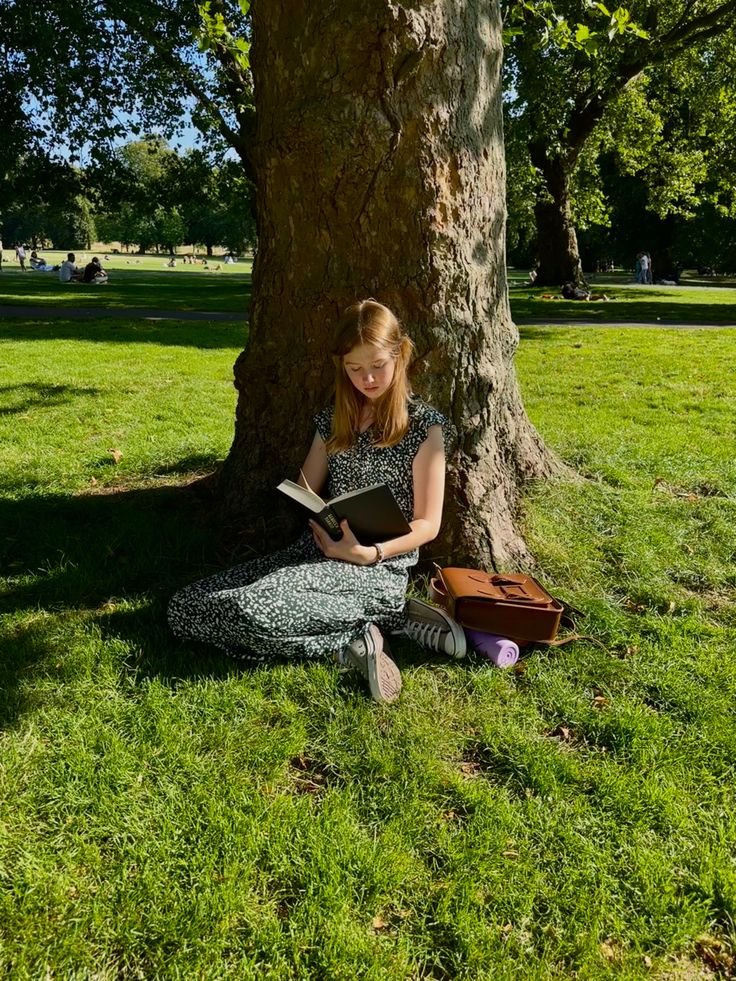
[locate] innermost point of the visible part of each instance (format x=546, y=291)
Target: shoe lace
x=431, y=635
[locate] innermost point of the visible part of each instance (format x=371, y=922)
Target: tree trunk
x=557, y=242
x=380, y=169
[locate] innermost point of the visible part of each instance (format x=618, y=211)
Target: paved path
x=125, y=313
x=143, y=313
x=551, y=322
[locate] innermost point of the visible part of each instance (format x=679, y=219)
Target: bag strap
x=567, y=621
x=438, y=590
x=568, y=639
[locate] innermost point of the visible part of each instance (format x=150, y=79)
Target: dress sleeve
x=423, y=418
x=323, y=422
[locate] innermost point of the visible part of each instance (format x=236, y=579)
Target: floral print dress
x=296, y=602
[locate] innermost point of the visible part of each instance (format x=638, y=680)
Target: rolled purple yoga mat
x=500, y=650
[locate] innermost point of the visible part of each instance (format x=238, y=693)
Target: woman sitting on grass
x=321, y=598
x=38, y=264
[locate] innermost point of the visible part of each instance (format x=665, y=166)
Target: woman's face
x=370, y=369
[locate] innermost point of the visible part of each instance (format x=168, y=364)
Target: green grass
x=166, y=814
x=135, y=281
x=689, y=303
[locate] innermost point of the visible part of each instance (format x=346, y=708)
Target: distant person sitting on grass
x=94, y=273
x=322, y=599
x=40, y=265
x=69, y=272
x=571, y=291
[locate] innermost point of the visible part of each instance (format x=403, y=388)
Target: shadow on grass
x=200, y=334
x=624, y=309
x=34, y=395
x=717, y=282
x=100, y=569
x=108, y=560
x=555, y=332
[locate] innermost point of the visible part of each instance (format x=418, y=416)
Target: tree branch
x=237, y=82
x=690, y=31
x=592, y=104
x=164, y=50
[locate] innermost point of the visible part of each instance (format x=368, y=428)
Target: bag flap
x=495, y=588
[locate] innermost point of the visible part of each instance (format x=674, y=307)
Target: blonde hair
x=370, y=322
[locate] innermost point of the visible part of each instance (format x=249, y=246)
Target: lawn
x=135, y=281
x=693, y=302
x=166, y=814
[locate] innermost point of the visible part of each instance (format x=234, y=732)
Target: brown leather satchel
x=514, y=605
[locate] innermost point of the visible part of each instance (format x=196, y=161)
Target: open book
x=372, y=512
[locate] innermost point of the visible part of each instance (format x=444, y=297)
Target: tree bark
x=557, y=241
x=380, y=170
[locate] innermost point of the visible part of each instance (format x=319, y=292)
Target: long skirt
x=292, y=604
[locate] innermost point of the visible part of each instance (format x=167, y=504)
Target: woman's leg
x=308, y=608
x=193, y=611
x=315, y=609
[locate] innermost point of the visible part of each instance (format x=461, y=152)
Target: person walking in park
x=644, y=267
x=321, y=598
x=20, y=254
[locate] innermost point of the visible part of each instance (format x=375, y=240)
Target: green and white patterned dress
x=296, y=602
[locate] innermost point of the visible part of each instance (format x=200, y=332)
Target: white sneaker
x=367, y=655
x=434, y=629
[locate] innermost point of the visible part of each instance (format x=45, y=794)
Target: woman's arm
x=314, y=467
x=429, y=494
x=428, y=474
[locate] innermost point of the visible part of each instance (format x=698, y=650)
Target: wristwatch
x=379, y=554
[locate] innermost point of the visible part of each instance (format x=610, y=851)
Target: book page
x=305, y=497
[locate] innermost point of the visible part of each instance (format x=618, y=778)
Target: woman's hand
x=348, y=549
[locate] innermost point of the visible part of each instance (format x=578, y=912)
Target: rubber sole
x=382, y=675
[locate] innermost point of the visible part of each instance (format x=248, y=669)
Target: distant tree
x=152, y=195
x=237, y=202
x=563, y=76
x=662, y=159
x=171, y=230
x=47, y=200
x=121, y=225
x=215, y=199
x=71, y=226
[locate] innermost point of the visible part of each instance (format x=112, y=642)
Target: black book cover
x=372, y=512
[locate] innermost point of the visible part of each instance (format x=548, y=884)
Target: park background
x=164, y=813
